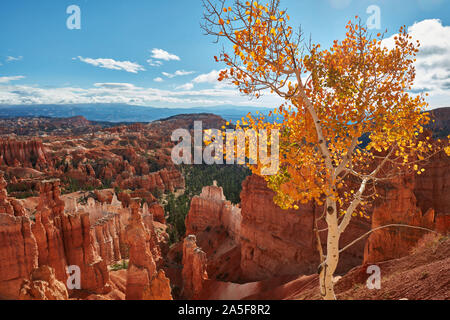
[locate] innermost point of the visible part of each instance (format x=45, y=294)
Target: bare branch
x=383, y=227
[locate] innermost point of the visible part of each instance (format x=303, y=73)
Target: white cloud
x=10, y=58
x=154, y=63
x=432, y=66
x=8, y=79
x=113, y=64
x=177, y=73
x=186, y=86
x=210, y=77
x=164, y=55
x=115, y=85
x=125, y=93
x=433, y=60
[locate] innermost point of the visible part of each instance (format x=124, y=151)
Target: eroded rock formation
x=415, y=200
x=164, y=180
x=277, y=242
x=79, y=251
x=211, y=211
x=194, y=268
x=43, y=285
x=144, y=282
x=18, y=254
x=216, y=223
x=30, y=153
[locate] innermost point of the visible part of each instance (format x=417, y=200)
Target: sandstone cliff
x=210, y=211
x=416, y=200
x=18, y=254
x=276, y=242
x=15, y=153
x=144, y=281
x=43, y=286
x=194, y=268
x=216, y=223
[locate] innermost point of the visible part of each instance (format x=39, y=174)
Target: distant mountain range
x=440, y=122
x=121, y=113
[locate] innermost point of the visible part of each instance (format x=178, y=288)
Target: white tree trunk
x=332, y=257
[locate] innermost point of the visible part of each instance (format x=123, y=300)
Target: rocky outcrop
x=123, y=158
x=90, y=236
x=31, y=153
x=79, y=251
x=18, y=248
x=194, y=268
x=18, y=254
x=164, y=180
x=172, y=179
x=158, y=212
x=143, y=279
x=415, y=200
x=108, y=238
x=159, y=288
x=432, y=190
x=5, y=205
x=48, y=229
x=9, y=206
x=210, y=211
x=216, y=224
x=43, y=285
x=398, y=206
x=276, y=242
x=154, y=241
x=108, y=221
x=65, y=239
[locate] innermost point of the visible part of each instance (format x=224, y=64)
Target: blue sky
x=150, y=52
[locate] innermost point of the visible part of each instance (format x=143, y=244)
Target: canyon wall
x=279, y=242
x=415, y=200
x=211, y=210
x=260, y=240
x=432, y=190
x=194, y=268
x=144, y=281
x=276, y=242
x=164, y=180
x=18, y=254
x=29, y=153
x=216, y=224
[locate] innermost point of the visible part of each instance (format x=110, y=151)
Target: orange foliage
x=333, y=97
